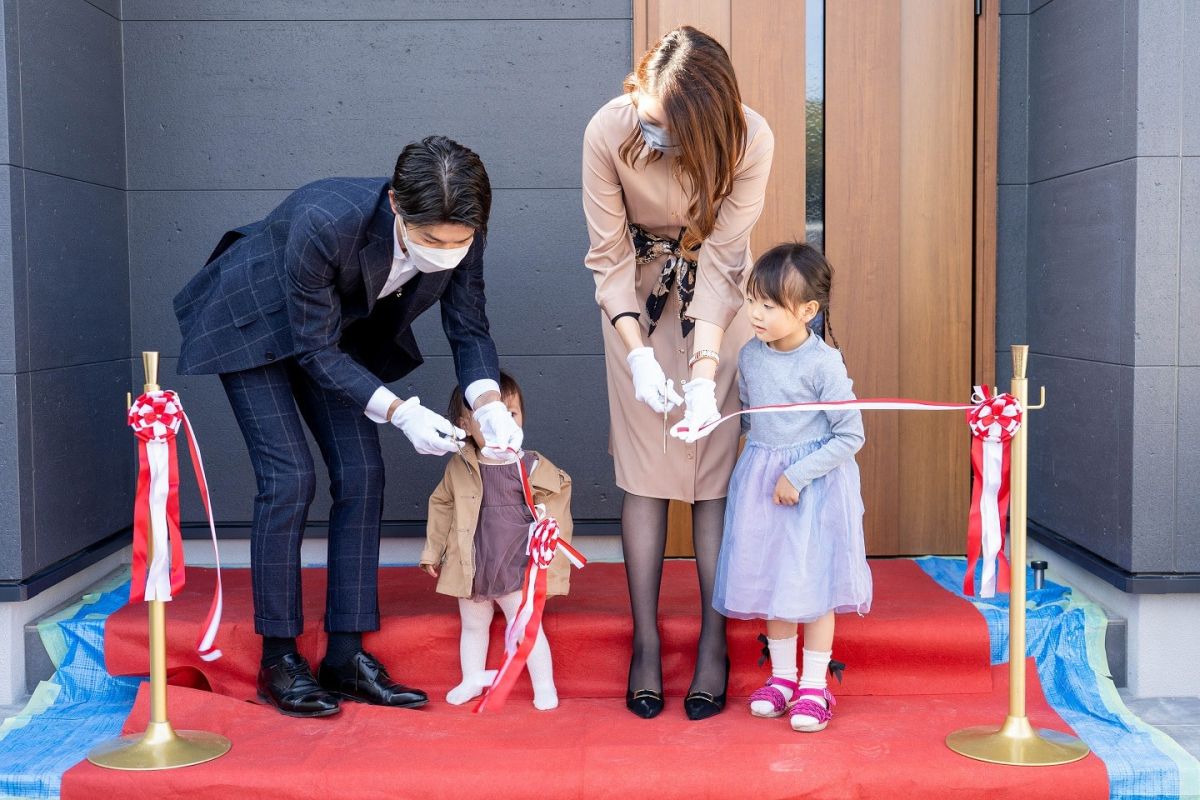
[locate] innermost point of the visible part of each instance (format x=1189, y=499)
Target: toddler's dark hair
x=457, y=409
x=791, y=275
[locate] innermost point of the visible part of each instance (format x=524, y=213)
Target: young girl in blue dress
x=793, y=549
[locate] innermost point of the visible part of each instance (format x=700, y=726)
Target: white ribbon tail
x=158, y=573
x=989, y=508
x=210, y=633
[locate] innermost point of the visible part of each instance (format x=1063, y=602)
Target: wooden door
x=899, y=224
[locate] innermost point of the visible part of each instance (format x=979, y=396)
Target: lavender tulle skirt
x=793, y=563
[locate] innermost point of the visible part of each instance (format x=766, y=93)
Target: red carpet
x=916, y=636
x=876, y=747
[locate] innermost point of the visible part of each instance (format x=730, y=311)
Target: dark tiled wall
x=1099, y=138
x=65, y=459
x=136, y=132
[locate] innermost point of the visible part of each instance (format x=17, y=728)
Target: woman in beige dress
x=674, y=175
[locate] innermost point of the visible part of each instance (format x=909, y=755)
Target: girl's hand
x=785, y=493
x=430, y=570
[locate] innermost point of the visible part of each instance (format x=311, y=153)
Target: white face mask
x=431, y=259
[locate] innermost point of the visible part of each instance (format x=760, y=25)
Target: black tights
x=644, y=540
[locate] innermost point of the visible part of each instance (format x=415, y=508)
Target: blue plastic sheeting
x=70, y=713
x=1065, y=636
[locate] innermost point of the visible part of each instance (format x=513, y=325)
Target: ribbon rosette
x=156, y=418
x=545, y=541
x=994, y=419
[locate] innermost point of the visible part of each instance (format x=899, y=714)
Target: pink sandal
x=806, y=707
x=768, y=693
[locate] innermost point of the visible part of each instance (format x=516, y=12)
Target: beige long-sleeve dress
x=656, y=196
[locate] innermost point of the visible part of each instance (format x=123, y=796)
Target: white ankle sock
x=472, y=650
x=816, y=666
x=783, y=665
x=539, y=664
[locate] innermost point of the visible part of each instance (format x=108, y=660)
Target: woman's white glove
x=650, y=384
x=501, y=432
x=431, y=434
x=700, y=395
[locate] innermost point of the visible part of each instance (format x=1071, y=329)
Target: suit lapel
x=375, y=258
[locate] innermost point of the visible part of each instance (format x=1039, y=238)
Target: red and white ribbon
x=519, y=637
x=156, y=418
x=993, y=419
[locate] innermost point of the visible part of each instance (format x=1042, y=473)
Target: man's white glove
x=700, y=396
x=501, y=433
x=431, y=434
x=650, y=384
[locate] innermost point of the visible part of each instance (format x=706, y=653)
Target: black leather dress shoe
x=364, y=680
x=289, y=685
x=702, y=705
x=646, y=703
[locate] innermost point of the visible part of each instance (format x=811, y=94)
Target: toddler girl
x=476, y=543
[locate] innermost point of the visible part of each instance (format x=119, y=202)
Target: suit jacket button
x=270, y=356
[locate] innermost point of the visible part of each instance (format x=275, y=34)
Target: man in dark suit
x=305, y=315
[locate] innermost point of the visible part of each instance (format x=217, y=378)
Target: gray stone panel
x=82, y=475
x=573, y=433
x=540, y=296
x=374, y=9
x=1013, y=144
x=1156, y=284
x=1081, y=268
x=1014, y=7
x=170, y=236
x=10, y=108
x=1153, y=472
x=1082, y=83
x=1079, y=473
x=271, y=105
x=72, y=104
x=1190, y=80
x=1159, y=80
x=1189, y=263
x=110, y=7
x=78, y=290
x=1011, y=253
x=1187, y=543
x=12, y=270
x=11, y=530
x=1034, y=5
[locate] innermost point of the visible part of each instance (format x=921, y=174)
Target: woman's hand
x=701, y=409
x=785, y=493
x=650, y=384
x=430, y=570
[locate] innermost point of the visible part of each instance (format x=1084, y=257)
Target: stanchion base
x=1018, y=744
x=160, y=747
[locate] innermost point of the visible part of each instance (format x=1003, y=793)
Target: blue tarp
x=1065, y=636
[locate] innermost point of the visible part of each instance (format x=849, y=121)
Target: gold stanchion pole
x=160, y=746
x=1016, y=742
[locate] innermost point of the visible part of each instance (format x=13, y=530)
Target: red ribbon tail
x=173, y=531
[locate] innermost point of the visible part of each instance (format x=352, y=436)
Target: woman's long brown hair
x=691, y=75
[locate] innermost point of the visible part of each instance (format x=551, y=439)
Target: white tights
x=473, y=647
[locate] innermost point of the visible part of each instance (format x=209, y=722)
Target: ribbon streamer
x=994, y=419
x=156, y=418
x=521, y=634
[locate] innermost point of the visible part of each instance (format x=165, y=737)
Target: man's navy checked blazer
x=303, y=283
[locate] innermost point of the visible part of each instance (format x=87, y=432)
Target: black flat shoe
x=289, y=685
x=364, y=680
x=646, y=703
x=702, y=705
